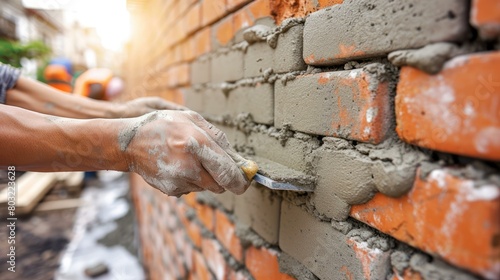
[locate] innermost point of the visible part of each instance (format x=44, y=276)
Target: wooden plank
x=58, y=205
x=31, y=188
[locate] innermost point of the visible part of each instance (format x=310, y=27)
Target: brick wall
x=392, y=108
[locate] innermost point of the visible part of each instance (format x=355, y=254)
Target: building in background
x=68, y=27
x=19, y=23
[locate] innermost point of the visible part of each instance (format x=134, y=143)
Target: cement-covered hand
x=144, y=105
x=179, y=152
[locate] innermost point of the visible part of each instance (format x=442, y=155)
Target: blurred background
x=88, y=33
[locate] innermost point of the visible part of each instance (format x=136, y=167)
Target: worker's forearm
x=38, y=142
x=39, y=97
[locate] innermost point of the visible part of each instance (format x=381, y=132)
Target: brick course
x=325, y=103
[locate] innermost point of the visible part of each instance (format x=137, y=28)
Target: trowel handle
x=248, y=167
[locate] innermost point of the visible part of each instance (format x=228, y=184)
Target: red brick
x=200, y=269
x=455, y=111
x=443, y=215
x=206, y=215
x=173, y=95
x=202, y=39
x=193, y=230
x=259, y=9
x=233, y=4
x=182, y=73
x=408, y=274
x=188, y=49
x=485, y=16
x=282, y=10
x=242, y=19
x=373, y=261
x=233, y=275
x=215, y=260
x=212, y=10
x=193, y=18
x=225, y=232
x=224, y=31
x=263, y=264
x=190, y=199
x=328, y=3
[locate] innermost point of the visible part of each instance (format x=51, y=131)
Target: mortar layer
x=354, y=174
x=430, y=58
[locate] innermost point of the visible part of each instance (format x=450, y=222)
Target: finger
x=216, y=134
x=207, y=182
x=218, y=164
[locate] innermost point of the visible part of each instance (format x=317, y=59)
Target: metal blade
x=270, y=183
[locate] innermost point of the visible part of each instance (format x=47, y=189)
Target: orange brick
x=408, y=274
x=233, y=4
x=206, y=215
x=212, y=10
x=233, y=275
x=224, y=31
x=263, y=264
x=485, y=16
x=443, y=215
x=202, y=39
x=372, y=260
x=259, y=9
x=215, y=260
x=200, y=269
x=193, y=18
x=328, y=3
x=455, y=111
x=194, y=232
x=190, y=199
x=188, y=49
x=225, y=232
x=173, y=95
x=242, y=19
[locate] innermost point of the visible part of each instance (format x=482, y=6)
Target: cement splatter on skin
x=174, y=160
x=127, y=134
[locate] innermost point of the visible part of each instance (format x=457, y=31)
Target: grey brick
x=359, y=29
x=215, y=103
x=200, y=71
x=257, y=209
x=288, y=52
x=226, y=199
x=351, y=104
x=258, y=58
x=227, y=66
x=194, y=100
x=294, y=154
x=316, y=244
x=257, y=100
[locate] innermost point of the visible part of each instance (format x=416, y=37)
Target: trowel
x=253, y=172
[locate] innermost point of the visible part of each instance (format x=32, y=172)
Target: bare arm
x=35, y=96
x=175, y=151
x=37, y=142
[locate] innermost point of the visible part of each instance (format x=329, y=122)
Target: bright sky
x=109, y=17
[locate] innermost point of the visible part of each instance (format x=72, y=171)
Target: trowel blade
x=270, y=183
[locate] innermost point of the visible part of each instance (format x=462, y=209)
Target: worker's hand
x=179, y=152
x=144, y=105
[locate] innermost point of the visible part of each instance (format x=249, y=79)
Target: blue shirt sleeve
x=8, y=79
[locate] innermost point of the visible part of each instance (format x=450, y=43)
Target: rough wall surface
x=389, y=109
